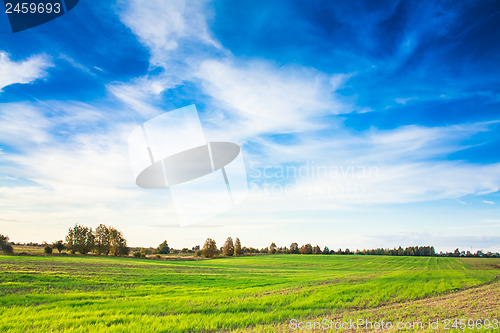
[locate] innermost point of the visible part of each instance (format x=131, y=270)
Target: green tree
x=228, y=248
x=47, y=249
x=294, y=248
x=210, y=249
x=71, y=241
x=317, y=250
x=163, y=248
x=4, y=244
x=237, y=247
x=59, y=246
x=102, y=241
x=272, y=248
x=118, y=244
x=80, y=239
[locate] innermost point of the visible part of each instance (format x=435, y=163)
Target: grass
x=84, y=294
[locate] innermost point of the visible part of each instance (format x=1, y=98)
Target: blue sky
x=409, y=90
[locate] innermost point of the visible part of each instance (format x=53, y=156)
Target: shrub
x=163, y=248
x=59, y=246
x=7, y=248
x=47, y=250
x=4, y=244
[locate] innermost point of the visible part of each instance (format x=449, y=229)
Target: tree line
x=106, y=240
x=103, y=240
x=210, y=250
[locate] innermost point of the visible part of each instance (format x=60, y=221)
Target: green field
x=260, y=293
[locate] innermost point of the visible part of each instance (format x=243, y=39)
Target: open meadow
x=258, y=293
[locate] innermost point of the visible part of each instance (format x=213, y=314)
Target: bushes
x=163, y=248
x=47, y=249
x=138, y=254
x=5, y=246
x=59, y=246
x=8, y=249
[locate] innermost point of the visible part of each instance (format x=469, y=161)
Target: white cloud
x=140, y=94
x=405, y=101
x=488, y=202
x=22, y=124
x=180, y=21
x=381, y=167
x=258, y=97
x=24, y=71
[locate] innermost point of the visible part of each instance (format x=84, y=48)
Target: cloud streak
x=23, y=71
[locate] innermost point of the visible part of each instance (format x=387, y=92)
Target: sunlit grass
x=122, y=294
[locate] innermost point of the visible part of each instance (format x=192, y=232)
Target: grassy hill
x=262, y=293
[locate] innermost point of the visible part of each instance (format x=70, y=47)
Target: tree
x=59, y=246
x=237, y=247
x=228, y=248
x=4, y=240
x=118, y=244
x=317, y=250
x=47, y=249
x=210, y=249
x=80, y=239
x=306, y=249
x=294, y=248
x=272, y=248
x=102, y=240
x=326, y=250
x=163, y=248
x=4, y=244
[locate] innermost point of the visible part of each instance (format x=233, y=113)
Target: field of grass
x=261, y=293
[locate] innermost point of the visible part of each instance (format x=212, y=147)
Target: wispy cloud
x=180, y=22
x=23, y=71
x=259, y=97
x=22, y=125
